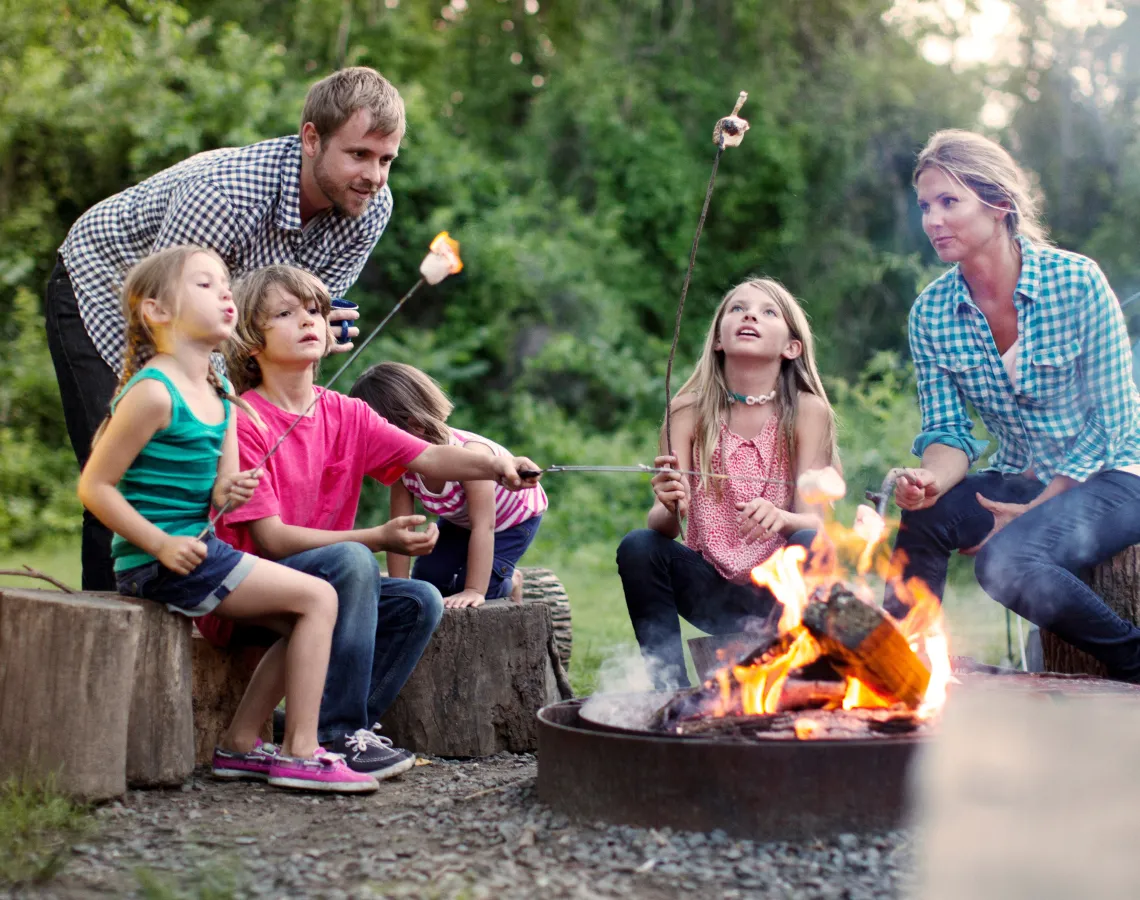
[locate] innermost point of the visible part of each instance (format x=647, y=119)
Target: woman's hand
x=181, y=554
x=235, y=489
x=916, y=489
x=670, y=488
x=399, y=535
x=760, y=519
x=1004, y=513
x=465, y=597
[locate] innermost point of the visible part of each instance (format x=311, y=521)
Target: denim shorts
x=196, y=594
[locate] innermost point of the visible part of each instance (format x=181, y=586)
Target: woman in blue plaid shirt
x=1033, y=338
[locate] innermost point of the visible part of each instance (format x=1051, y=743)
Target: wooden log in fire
x=862, y=642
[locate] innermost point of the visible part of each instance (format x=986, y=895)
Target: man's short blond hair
x=334, y=100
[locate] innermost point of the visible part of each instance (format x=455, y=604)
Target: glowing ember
x=806, y=729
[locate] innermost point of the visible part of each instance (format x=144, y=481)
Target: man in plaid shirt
x=1033, y=338
x=318, y=200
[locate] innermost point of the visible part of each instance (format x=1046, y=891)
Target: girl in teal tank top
x=165, y=453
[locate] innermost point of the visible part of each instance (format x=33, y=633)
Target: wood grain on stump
x=479, y=683
x=1117, y=582
x=160, y=736
x=67, y=672
x=220, y=676
x=543, y=586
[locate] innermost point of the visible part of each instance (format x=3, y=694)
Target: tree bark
x=482, y=678
x=1117, y=582
x=160, y=737
x=67, y=672
x=220, y=676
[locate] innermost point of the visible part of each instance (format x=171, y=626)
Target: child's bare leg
x=516, y=586
x=264, y=692
x=268, y=590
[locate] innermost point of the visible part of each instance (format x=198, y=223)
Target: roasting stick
x=442, y=260
x=650, y=470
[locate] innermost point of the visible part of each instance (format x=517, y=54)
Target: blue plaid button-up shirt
x=243, y=203
x=1075, y=410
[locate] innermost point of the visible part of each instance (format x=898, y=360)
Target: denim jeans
x=86, y=386
x=1033, y=565
x=664, y=579
x=446, y=565
x=382, y=628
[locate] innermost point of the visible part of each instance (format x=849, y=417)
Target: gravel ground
x=445, y=830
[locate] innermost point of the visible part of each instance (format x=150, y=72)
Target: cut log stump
x=479, y=683
x=543, y=586
x=67, y=672
x=160, y=736
x=220, y=676
x=1117, y=582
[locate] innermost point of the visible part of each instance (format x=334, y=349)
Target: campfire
x=835, y=665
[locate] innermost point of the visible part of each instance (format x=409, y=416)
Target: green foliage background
x=566, y=144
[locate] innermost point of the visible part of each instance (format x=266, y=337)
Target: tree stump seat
x=219, y=678
x=1117, y=582
x=484, y=675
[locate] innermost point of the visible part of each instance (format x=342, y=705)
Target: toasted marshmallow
x=819, y=486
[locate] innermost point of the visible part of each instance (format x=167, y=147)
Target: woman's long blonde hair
x=252, y=296
x=406, y=397
x=985, y=169
x=157, y=277
x=709, y=388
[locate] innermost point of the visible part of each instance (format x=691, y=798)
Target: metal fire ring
x=760, y=790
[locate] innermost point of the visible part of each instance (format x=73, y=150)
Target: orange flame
x=446, y=246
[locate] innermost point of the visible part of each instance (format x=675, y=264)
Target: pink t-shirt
x=314, y=478
x=713, y=523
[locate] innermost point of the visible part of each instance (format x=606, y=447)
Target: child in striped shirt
x=483, y=529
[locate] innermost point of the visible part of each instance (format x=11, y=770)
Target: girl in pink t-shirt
x=484, y=530
x=754, y=407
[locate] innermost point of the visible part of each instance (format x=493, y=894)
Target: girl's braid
x=140, y=350
x=219, y=386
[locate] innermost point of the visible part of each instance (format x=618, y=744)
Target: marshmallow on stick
x=821, y=486
x=442, y=259
x=730, y=130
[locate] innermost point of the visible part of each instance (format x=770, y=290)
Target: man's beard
x=334, y=192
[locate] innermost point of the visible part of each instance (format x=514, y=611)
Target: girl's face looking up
x=294, y=331
x=753, y=325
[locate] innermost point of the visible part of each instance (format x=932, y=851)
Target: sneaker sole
x=337, y=787
x=239, y=773
x=392, y=771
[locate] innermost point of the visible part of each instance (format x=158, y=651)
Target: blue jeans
x=446, y=565
x=382, y=628
x=663, y=579
x=1033, y=565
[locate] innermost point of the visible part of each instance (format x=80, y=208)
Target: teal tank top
x=170, y=481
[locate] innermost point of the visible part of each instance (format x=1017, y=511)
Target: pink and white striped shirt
x=511, y=507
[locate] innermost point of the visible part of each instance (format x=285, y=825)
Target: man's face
x=352, y=164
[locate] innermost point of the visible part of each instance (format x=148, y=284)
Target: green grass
x=61, y=561
x=38, y=827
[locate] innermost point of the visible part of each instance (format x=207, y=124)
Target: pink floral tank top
x=712, y=525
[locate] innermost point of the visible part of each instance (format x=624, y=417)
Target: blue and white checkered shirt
x=243, y=203
x=1075, y=410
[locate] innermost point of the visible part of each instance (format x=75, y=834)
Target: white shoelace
x=364, y=738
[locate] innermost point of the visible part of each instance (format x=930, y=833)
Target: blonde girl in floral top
x=753, y=407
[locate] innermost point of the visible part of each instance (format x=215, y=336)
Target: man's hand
x=399, y=535
x=181, y=554
x=236, y=489
x=465, y=597
x=916, y=489
x=336, y=316
x=670, y=488
x=1004, y=513
x=507, y=472
x=760, y=519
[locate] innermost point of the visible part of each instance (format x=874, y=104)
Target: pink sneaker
x=323, y=771
x=255, y=764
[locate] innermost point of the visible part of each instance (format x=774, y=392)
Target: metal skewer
x=651, y=470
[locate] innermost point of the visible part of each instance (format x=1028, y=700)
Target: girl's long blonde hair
x=406, y=397
x=985, y=169
x=709, y=388
x=158, y=277
x=252, y=296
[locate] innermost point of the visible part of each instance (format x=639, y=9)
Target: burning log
x=862, y=642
